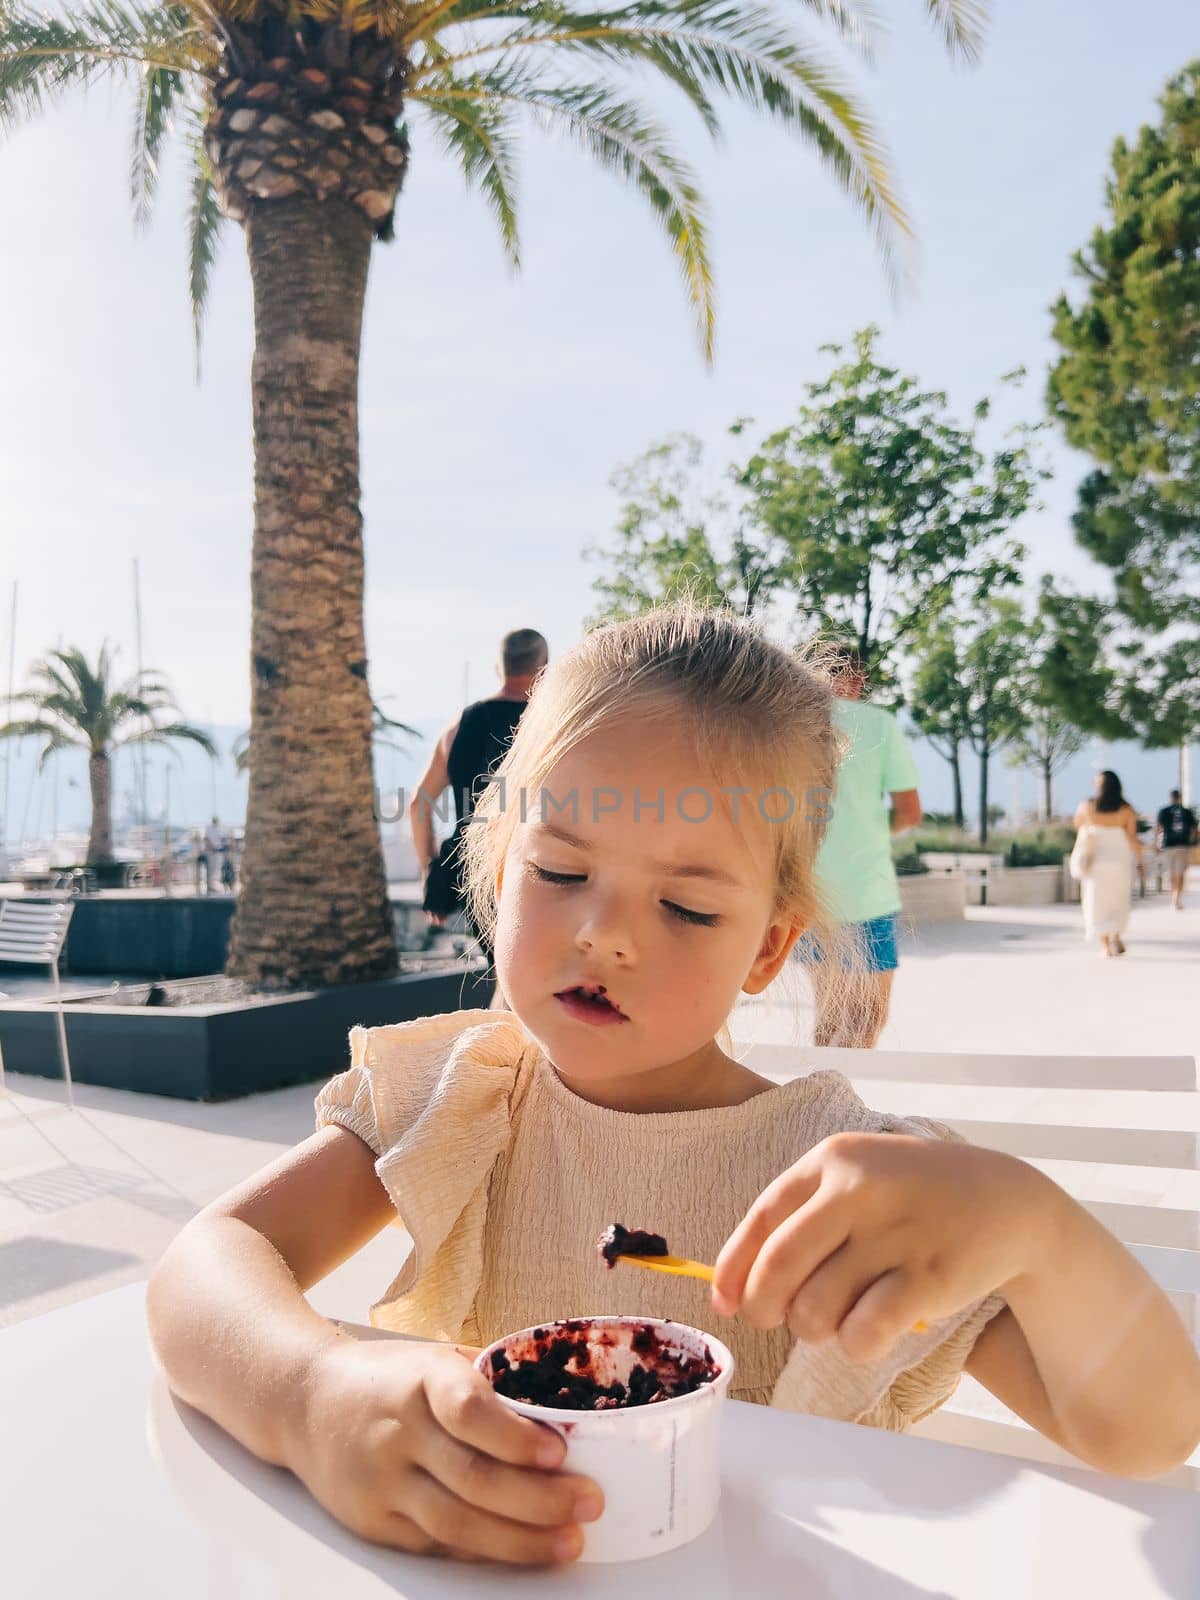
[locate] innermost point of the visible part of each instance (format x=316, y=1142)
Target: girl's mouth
x=590, y=1005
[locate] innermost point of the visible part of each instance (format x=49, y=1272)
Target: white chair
x=1121, y=1134
x=32, y=932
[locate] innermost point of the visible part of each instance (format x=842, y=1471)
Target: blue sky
x=495, y=407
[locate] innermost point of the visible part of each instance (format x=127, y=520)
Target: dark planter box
x=175, y=936
x=163, y=936
x=219, y=1051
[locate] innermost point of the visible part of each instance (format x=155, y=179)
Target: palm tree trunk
x=314, y=907
x=1047, y=789
x=100, y=839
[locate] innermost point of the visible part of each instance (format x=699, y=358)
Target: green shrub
x=1028, y=847
x=1032, y=855
x=909, y=865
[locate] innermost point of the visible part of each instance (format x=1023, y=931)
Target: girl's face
x=632, y=874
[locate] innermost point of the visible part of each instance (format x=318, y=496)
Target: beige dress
x=1106, y=890
x=505, y=1178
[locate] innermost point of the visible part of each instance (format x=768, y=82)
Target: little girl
x=644, y=856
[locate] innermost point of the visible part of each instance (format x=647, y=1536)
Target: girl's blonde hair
x=758, y=715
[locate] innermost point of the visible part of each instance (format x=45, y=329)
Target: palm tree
x=74, y=705
x=383, y=729
x=296, y=116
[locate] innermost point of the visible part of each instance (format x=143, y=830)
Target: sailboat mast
x=143, y=796
x=12, y=656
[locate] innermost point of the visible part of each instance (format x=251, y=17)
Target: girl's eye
x=555, y=877
x=705, y=919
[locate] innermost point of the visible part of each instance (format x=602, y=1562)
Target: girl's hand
x=409, y=1446
x=869, y=1234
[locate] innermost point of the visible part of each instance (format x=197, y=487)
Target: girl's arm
x=869, y=1233
x=1131, y=830
x=406, y=1444
x=1090, y=1351
x=228, y=1319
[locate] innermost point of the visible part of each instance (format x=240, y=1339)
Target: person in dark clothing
x=466, y=753
x=1174, y=835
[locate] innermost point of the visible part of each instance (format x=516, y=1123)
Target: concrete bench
x=1121, y=1134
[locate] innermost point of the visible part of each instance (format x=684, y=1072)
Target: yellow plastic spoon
x=683, y=1268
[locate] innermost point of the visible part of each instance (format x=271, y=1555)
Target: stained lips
x=593, y=999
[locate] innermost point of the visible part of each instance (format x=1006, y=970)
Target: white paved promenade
x=89, y=1201
x=1021, y=980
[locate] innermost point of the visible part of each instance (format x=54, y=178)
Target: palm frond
x=205, y=219
x=622, y=138
x=381, y=722
x=26, y=728
x=165, y=733
x=59, y=739
x=158, y=87
x=706, y=46
x=853, y=20
x=42, y=56
x=478, y=134
x=961, y=24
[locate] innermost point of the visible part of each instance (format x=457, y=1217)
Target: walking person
x=854, y=866
x=208, y=860
x=1106, y=852
x=1174, y=834
x=466, y=752
x=228, y=864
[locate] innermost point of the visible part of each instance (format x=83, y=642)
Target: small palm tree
x=297, y=117
x=74, y=705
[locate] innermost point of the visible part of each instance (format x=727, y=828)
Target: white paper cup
x=659, y=1465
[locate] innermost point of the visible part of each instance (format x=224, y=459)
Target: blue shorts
x=874, y=946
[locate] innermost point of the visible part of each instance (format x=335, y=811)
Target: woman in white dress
x=1107, y=849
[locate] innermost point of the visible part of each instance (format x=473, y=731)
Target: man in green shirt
x=854, y=867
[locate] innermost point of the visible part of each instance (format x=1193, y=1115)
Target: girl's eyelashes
x=703, y=919
x=555, y=877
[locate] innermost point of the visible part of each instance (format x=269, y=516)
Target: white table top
x=113, y=1490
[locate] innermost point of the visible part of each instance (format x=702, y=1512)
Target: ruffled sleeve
x=918, y=1374
x=434, y=1100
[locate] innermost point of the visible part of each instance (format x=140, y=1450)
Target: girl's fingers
x=464, y=1403
x=543, y=1499
x=777, y=1202
x=788, y=1259
x=883, y=1313
x=455, y=1526
x=827, y=1296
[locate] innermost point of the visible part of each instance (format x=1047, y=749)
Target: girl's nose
x=604, y=933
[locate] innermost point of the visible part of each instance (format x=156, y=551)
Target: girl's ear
x=777, y=943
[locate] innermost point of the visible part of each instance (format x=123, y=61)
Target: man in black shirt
x=467, y=751
x=1174, y=835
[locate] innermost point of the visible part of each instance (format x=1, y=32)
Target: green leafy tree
x=994, y=650
x=1160, y=697
x=1064, y=666
x=1104, y=676
x=937, y=702
x=1079, y=663
x=862, y=517
x=1048, y=742
x=1127, y=391
x=885, y=505
x=296, y=121
x=673, y=538
x=74, y=705
x=1127, y=385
